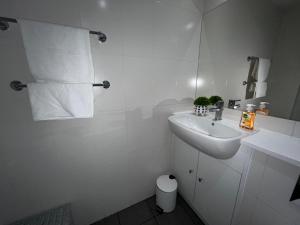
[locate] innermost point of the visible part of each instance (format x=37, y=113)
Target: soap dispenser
x=263, y=110
x=248, y=117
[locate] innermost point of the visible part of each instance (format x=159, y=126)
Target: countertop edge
x=268, y=150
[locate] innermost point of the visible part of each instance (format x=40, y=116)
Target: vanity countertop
x=284, y=147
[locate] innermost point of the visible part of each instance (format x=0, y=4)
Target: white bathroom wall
x=104, y=164
x=212, y=4
x=232, y=32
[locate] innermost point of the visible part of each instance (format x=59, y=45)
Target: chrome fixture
x=4, y=25
x=249, y=58
x=233, y=104
x=218, y=110
x=101, y=37
x=18, y=85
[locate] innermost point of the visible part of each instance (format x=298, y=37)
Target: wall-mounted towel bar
x=4, y=25
x=249, y=58
x=18, y=85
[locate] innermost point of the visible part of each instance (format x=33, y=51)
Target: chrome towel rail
x=18, y=85
x=4, y=25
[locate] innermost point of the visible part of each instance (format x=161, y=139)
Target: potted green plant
x=201, y=104
x=214, y=99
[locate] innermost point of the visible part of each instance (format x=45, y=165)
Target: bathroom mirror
x=250, y=51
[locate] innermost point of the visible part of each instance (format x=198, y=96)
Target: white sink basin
x=219, y=139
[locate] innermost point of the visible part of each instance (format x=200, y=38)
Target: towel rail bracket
x=18, y=85
x=249, y=58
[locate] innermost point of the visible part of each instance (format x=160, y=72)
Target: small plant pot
x=201, y=110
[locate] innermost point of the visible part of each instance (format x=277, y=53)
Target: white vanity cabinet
x=216, y=190
x=209, y=185
x=185, y=160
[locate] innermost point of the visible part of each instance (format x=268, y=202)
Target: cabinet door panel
x=185, y=168
x=216, y=190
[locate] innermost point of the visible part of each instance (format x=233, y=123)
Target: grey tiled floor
x=145, y=213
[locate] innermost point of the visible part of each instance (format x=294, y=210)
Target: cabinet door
x=185, y=168
x=216, y=190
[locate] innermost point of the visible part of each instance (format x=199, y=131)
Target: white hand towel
x=57, y=53
x=261, y=89
x=56, y=101
x=263, y=69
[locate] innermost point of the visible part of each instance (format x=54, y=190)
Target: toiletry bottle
x=263, y=110
x=248, y=117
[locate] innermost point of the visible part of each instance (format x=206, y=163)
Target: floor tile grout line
x=147, y=220
x=186, y=211
x=153, y=210
x=156, y=220
x=118, y=216
x=154, y=214
x=191, y=216
x=181, y=203
x=149, y=207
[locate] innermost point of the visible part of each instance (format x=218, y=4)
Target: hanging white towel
x=263, y=69
x=57, y=53
x=59, y=58
x=56, y=101
x=261, y=89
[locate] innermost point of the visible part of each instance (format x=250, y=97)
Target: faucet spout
x=214, y=109
x=218, y=110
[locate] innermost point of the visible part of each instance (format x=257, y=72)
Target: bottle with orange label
x=248, y=117
x=263, y=110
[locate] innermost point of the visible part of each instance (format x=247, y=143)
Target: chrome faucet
x=218, y=110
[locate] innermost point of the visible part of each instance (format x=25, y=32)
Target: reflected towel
x=57, y=53
x=257, y=76
x=252, y=78
x=263, y=70
x=55, y=101
x=261, y=89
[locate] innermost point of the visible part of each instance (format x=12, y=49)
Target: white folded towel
x=263, y=69
x=60, y=61
x=261, y=89
x=57, y=53
x=55, y=101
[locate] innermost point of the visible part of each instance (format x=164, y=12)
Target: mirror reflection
x=250, y=53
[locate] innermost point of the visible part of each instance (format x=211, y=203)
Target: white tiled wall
x=109, y=162
x=212, y=4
